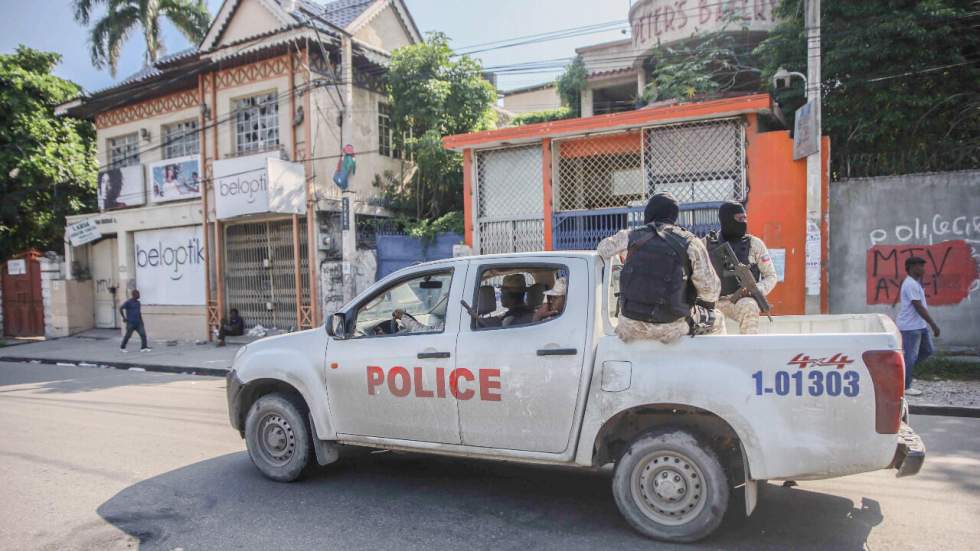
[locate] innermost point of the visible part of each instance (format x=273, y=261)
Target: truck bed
x=822, y=324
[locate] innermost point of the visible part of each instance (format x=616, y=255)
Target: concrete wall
x=250, y=19
x=529, y=101
x=876, y=223
x=70, y=308
x=385, y=31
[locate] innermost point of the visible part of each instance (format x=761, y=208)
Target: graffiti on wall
x=951, y=271
x=952, y=256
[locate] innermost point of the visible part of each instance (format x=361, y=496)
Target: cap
x=559, y=290
x=913, y=260
x=514, y=282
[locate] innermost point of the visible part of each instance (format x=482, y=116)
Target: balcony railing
x=584, y=229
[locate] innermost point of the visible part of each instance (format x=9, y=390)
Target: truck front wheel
x=671, y=487
x=278, y=438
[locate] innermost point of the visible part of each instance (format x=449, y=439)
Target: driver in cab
x=408, y=324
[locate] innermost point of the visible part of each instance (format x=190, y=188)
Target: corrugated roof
x=343, y=12
x=150, y=71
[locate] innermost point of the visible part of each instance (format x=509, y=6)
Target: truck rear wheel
x=671, y=487
x=278, y=438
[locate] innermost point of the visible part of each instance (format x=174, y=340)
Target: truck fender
x=296, y=359
x=700, y=419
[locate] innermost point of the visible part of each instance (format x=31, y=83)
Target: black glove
x=701, y=321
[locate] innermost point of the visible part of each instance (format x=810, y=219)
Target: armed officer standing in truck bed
x=667, y=287
x=736, y=302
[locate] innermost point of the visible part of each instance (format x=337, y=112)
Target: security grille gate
x=260, y=277
x=510, y=200
x=602, y=182
x=698, y=162
x=599, y=172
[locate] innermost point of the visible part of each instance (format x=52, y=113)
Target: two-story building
x=617, y=72
x=218, y=166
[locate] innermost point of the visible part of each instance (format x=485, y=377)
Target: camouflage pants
x=746, y=312
x=629, y=330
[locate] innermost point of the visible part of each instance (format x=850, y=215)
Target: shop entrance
x=104, y=265
x=260, y=272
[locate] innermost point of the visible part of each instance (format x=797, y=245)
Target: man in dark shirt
x=234, y=326
x=133, y=317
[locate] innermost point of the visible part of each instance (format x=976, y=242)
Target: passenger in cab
x=512, y=297
x=554, y=301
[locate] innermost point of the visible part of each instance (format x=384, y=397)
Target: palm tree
x=191, y=17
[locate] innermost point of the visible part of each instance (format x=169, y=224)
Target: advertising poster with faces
x=121, y=187
x=170, y=265
x=175, y=179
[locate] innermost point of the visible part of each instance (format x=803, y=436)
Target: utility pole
x=348, y=197
x=814, y=164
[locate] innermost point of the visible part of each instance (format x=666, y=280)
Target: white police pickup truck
x=485, y=357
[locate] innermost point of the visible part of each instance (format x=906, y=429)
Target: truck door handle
x=427, y=355
x=557, y=352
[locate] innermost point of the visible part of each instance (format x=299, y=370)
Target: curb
x=947, y=411
x=183, y=370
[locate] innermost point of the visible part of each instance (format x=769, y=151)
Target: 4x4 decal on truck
x=838, y=360
x=401, y=383
x=817, y=383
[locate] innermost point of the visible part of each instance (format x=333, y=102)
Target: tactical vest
x=655, y=283
x=742, y=248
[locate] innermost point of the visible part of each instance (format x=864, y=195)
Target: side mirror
x=337, y=326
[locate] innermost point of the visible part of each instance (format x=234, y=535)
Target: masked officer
x=736, y=302
x=667, y=285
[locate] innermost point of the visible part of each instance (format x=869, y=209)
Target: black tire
x=278, y=438
x=671, y=487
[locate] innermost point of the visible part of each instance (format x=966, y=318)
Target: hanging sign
x=805, y=137
x=83, y=232
x=16, y=267
x=258, y=184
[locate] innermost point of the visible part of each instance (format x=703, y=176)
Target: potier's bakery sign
x=655, y=22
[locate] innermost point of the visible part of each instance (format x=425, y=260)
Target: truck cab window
x=413, y=306
x=517, y=296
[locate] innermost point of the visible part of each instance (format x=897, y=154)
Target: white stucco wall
x=533, y=100
x=385, y=31
x=250, y=18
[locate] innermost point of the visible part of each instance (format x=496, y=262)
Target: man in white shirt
x=914, y=321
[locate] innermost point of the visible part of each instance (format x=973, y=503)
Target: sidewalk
x=101, y=347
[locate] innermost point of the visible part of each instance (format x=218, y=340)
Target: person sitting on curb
x=234, y=326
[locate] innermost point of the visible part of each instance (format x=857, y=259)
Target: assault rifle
x=744, y=276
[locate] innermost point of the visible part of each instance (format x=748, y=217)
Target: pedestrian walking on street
x=914, y=321
x=132, y=315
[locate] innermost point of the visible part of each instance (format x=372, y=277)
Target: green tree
x=435, y=94
x=900, y=82
x=108, y=34
x=47, y=163
x=705, y=64
x=570, y=85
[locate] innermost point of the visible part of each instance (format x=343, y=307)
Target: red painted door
x=23, y=308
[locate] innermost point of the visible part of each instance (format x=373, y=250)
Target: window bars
x=510, y=200
x=124, y=151
x=181, y=139
x=256, y=123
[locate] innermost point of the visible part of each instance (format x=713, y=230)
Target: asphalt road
x=102, y=459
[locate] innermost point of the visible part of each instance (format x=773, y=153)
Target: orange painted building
x=567, y=184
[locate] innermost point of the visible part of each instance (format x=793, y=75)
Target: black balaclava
x=662, y=208
x=731, y=229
